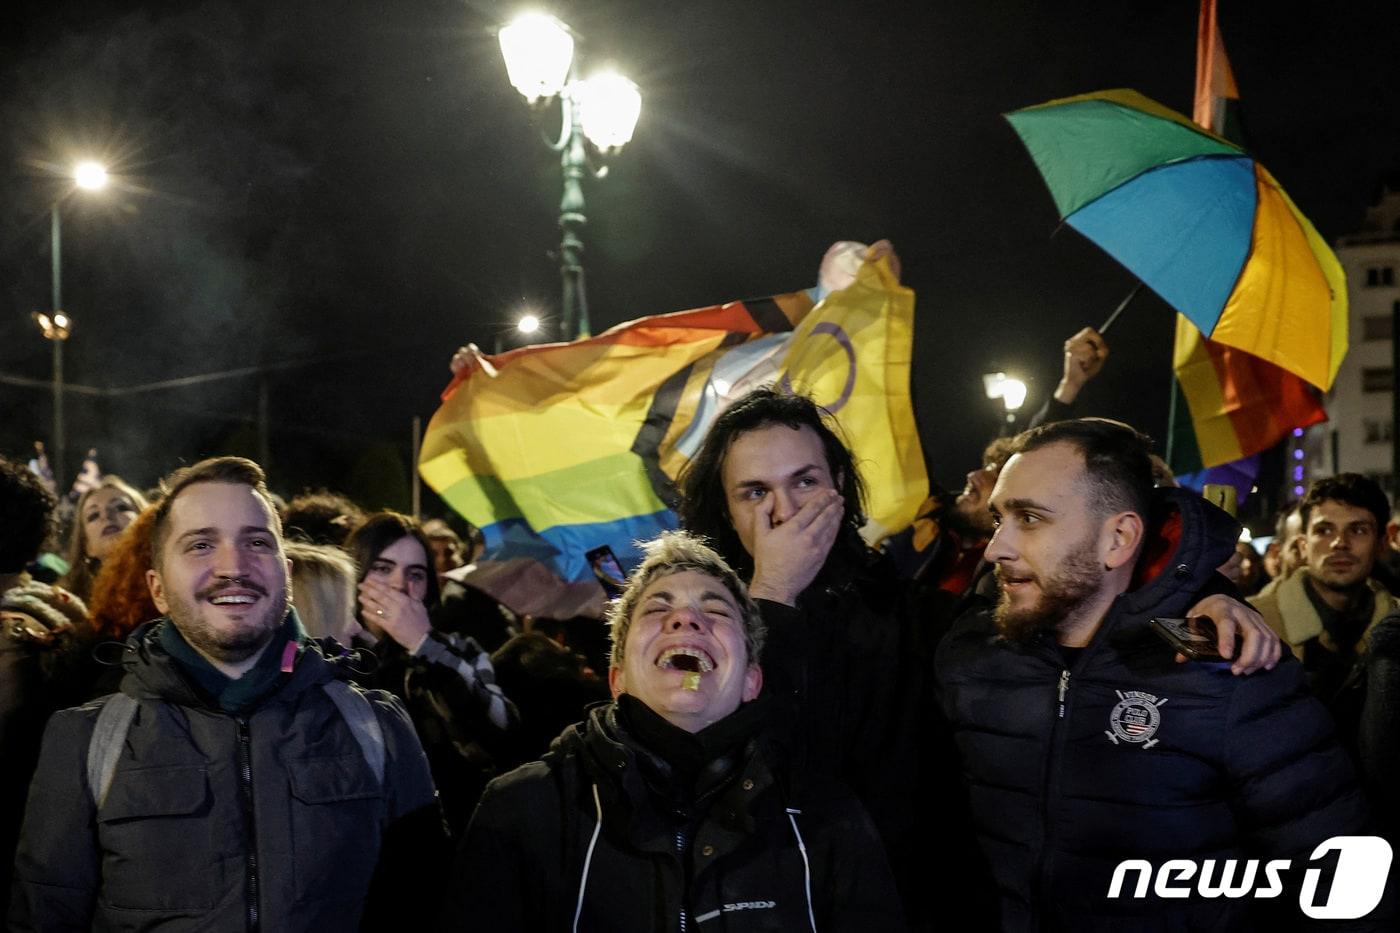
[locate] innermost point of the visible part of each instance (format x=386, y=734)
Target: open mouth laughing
x=687, y=659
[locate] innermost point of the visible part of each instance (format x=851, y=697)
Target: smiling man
x=1084, y=742
x=232, y=783
x=666, y=809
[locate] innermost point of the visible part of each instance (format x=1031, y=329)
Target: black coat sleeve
x=496, y=881
x=414, y=848
x=1378, y=732
x=854, y=889
x=1294, y=786
x=57, y=866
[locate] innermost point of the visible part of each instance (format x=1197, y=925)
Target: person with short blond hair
x=668, y=808
x=323, y=581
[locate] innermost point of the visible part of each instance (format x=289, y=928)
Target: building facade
x=1357, y=436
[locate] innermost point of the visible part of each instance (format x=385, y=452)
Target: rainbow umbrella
x=1198, y=220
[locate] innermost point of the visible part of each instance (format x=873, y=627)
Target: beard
x=1078, y=578
x=227, y=643
x=969, y=519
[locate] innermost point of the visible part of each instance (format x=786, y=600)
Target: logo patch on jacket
x=1135, y=719
x=742, y=905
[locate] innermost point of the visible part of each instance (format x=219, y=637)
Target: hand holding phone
x=1195, y=638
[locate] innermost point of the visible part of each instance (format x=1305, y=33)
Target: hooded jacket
x=580, y=841
x=269, y=820
x=1127, y=754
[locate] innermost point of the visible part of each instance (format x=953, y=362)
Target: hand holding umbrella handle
x=1085, y=354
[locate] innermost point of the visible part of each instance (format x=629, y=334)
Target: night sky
x=351, y=189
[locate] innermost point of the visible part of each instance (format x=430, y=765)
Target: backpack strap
x=105, y=746
x=364, y=725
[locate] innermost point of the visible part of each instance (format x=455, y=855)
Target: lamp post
x=598, y=115
x=56, y=326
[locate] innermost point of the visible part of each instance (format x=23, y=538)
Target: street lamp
x=1012, y=393
x=527, y=326
x=602, y=109
x=56, y=325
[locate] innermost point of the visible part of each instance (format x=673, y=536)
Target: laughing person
x=664, y=810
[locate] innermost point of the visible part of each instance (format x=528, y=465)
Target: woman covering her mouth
x=446, y=681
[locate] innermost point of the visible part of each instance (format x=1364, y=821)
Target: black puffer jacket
x=530, y=860
x=272, y=820
x=1129, y=755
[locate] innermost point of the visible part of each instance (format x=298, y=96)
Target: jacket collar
x=1298, y=617
x=614, y=761
x=153, y=674
x=1188, y=538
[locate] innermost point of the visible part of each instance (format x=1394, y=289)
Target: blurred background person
x=323, y=591
x=463, y=608
x=120, y=602
x=550, y=684
x=448, y=551
x=35, y=619
x=321, y=517
x=102, y=514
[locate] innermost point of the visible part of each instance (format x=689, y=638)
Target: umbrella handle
x=1119, y=310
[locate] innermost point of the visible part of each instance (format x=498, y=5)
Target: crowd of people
x=270, y=715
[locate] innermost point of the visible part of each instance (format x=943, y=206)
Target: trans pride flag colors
x=556, y=449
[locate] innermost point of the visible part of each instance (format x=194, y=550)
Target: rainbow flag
x=557, y=449
x=1239, y=404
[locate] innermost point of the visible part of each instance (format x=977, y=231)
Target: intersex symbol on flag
x=556, y=449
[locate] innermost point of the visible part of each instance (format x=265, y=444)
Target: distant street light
x=603, y=109
x=90, y=176
x=528, y=324
x=57, y=325
x=1012, y=393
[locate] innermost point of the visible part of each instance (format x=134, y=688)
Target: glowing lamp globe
x=609, y=106
x=538, y=51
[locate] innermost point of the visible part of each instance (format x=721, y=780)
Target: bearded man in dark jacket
x=1085, y=744
x=666, y=809
x=248, y=786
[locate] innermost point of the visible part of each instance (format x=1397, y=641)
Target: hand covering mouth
x=686, y=658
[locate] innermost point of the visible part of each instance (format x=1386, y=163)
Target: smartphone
x=1196, y=638
x=608, y=570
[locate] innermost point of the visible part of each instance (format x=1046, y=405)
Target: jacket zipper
x=680, y=856
x=245, y=775
x=1051, y=771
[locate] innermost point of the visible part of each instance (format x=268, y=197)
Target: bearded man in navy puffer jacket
x=1085, y=743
